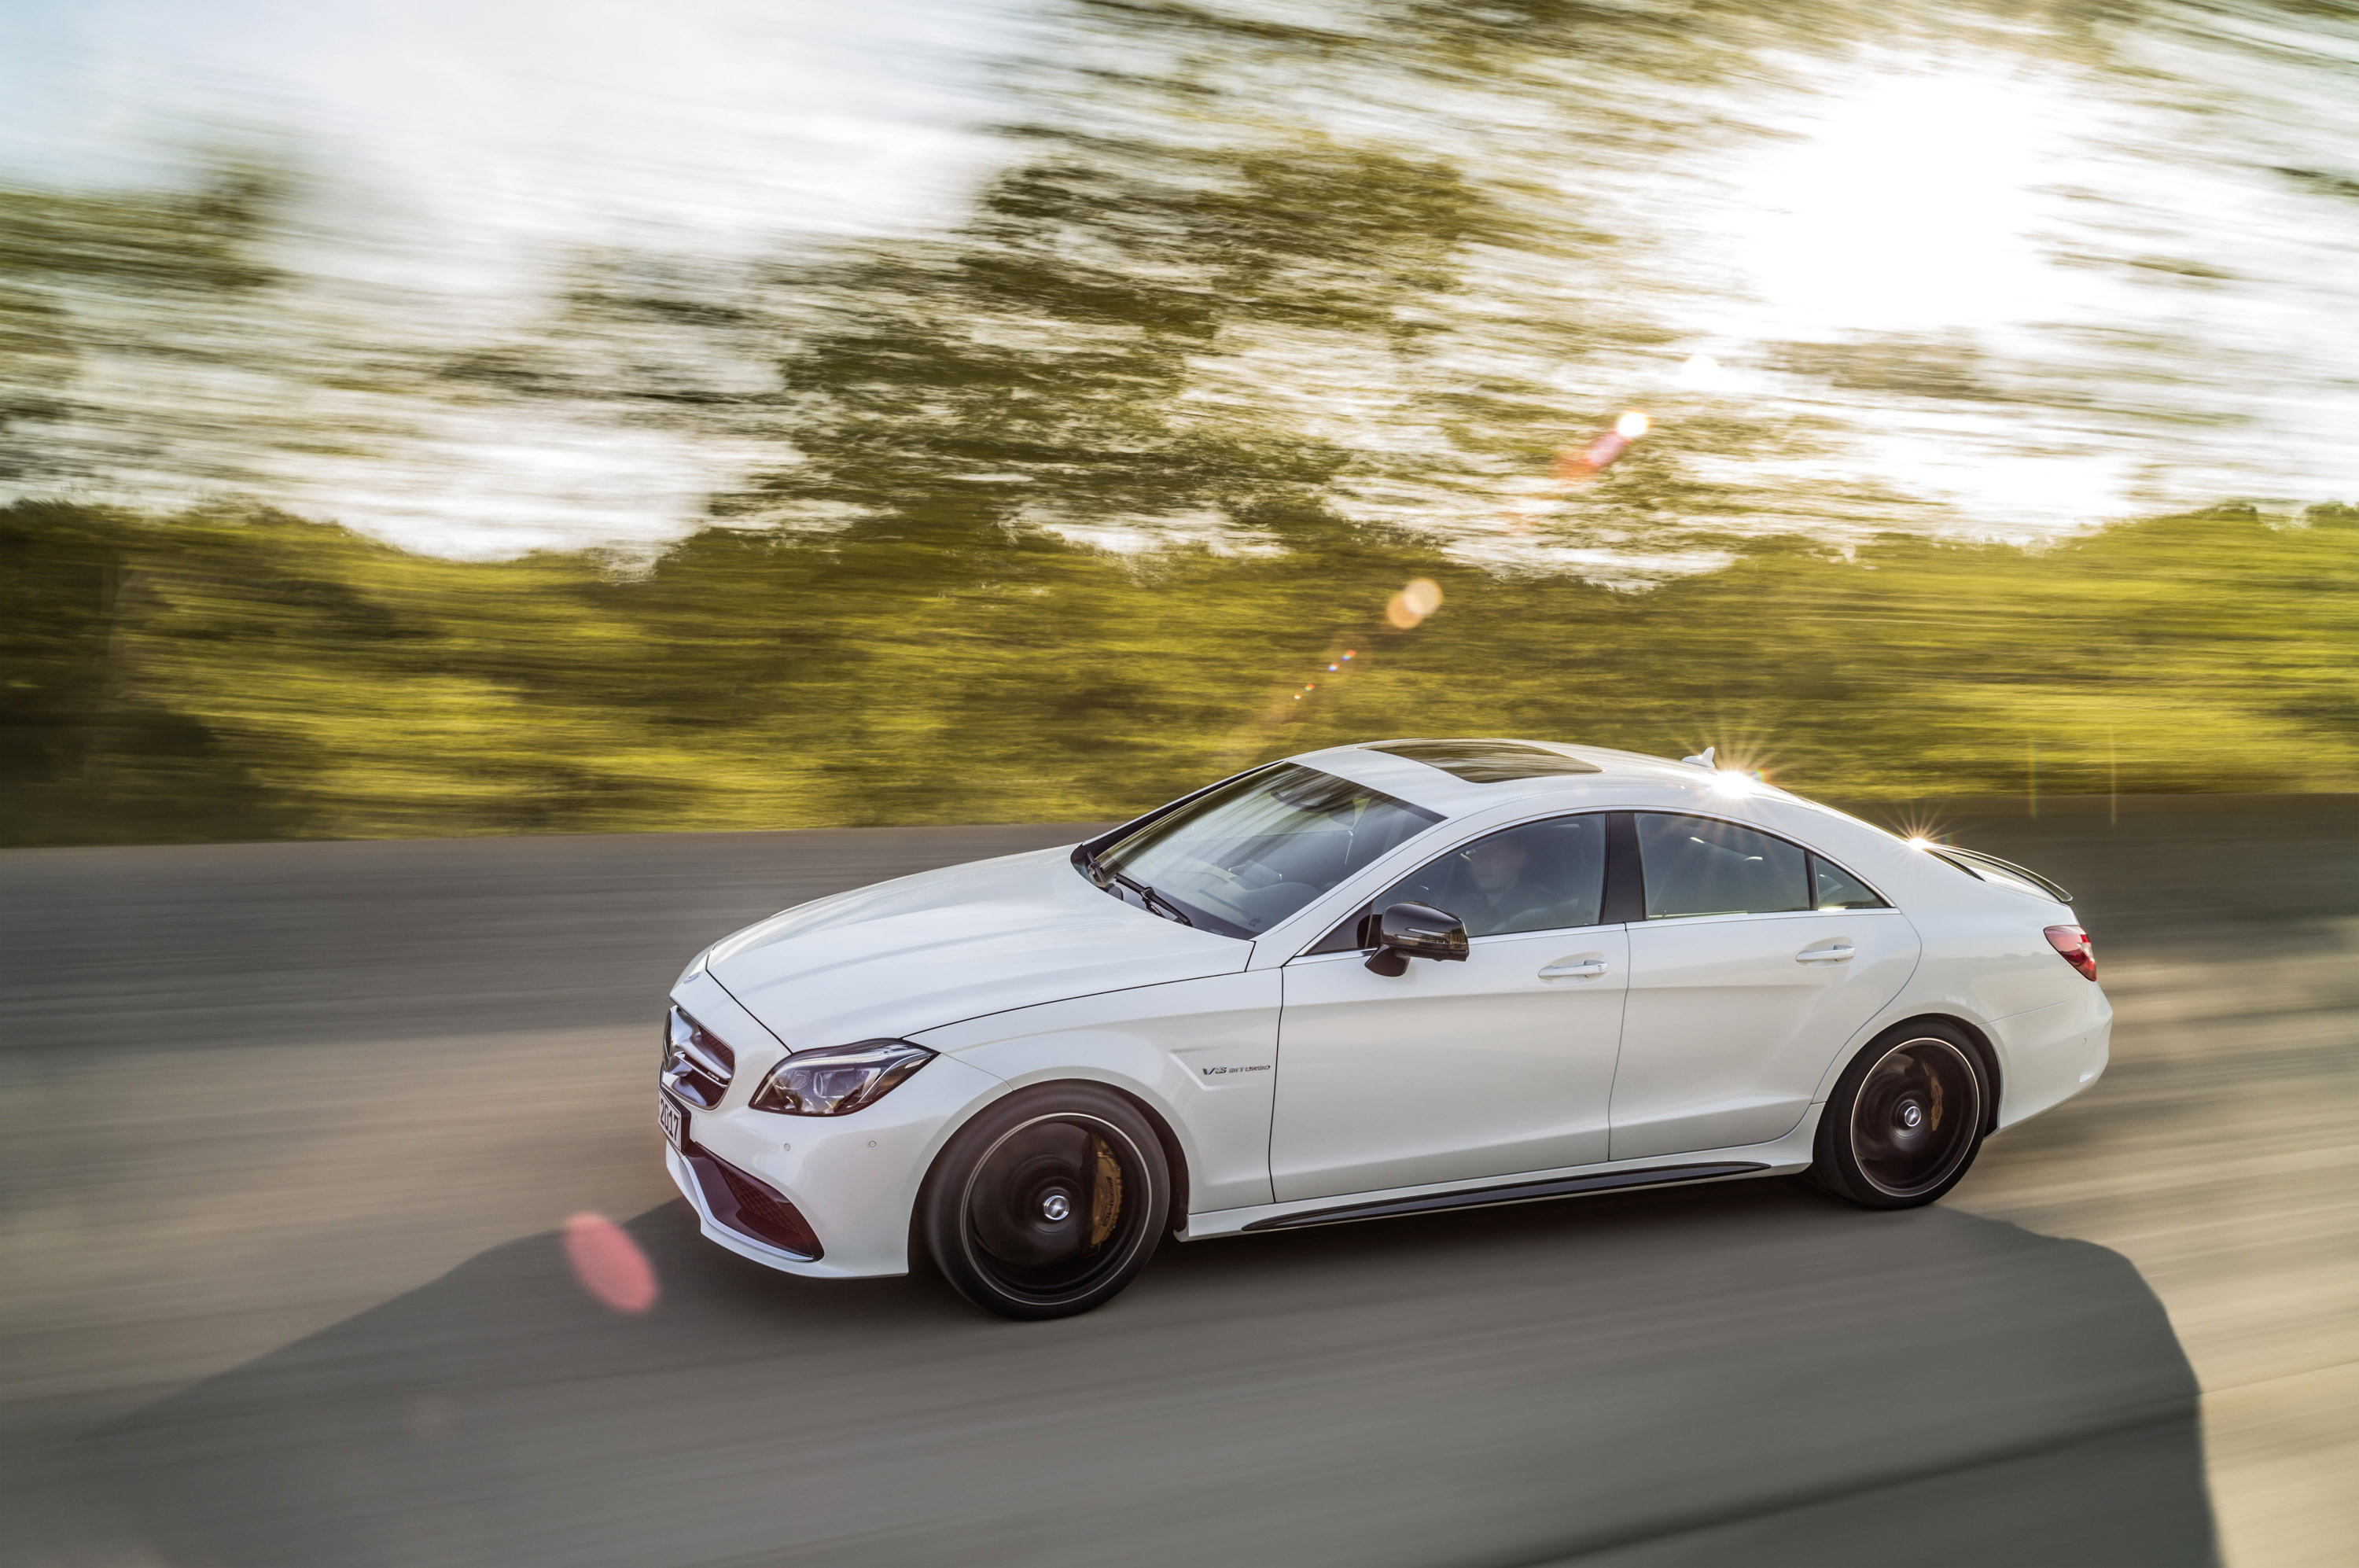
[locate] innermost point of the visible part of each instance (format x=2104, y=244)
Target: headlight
x=838, y=1080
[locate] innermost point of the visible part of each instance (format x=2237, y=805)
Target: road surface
x=292, y=1128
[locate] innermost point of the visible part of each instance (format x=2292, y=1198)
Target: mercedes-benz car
x=1371, y=980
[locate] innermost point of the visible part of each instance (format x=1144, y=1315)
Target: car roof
x=1619, y=777
x=1629, y=781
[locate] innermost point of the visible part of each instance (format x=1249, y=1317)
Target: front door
x=1757, y=960
x=1496, y=1066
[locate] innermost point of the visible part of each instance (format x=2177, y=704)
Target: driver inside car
x=1501, y=894
x=1539, y=877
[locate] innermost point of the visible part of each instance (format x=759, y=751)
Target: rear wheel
x=1048, y=1202
x=1906, y=1119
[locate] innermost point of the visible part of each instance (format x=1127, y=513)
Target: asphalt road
x=292, y=1128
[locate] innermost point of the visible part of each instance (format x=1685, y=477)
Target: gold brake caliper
x=1106, y=1193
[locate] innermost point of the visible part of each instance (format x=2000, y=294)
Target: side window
x=1839, y=890
x=1539, y=877
x=1694, y=866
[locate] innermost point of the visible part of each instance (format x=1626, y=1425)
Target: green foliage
x=239, y=675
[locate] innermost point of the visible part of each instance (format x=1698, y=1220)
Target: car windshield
x=1240, y=858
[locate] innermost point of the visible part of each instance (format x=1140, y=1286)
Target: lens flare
x=1571, y=467
x=609, y=1264
x=1918, y=825
x=1413, y=603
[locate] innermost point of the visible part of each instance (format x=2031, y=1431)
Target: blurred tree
x=88, y=282
x=123, y=285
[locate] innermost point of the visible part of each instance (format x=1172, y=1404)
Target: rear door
x=1757, y=960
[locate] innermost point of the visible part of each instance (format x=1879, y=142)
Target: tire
x=1905, y=1119
x=1049, y=1202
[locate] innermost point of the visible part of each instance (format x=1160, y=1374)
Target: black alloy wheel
x=1906, y=1119
x=1048, y=1202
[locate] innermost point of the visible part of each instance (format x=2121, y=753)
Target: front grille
x=750, y=1207
x=697, y=1063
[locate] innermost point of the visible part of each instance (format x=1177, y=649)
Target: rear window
x=1486, y=761
x=1839, y=890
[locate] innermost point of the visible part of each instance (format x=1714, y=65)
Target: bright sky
x=533, y=118
x=469, y=149
x=2154, y=312
x=2157, y=315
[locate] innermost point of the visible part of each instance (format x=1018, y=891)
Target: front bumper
x=684, y=1176
x=854, y=1180
x=740, y=1203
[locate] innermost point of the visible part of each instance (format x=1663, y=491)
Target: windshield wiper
x=1146, y=895
x=1150, y=897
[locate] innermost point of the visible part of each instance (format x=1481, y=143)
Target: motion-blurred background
x=430, y=419
x=434, y=420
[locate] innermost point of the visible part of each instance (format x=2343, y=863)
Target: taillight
x=2073, y=943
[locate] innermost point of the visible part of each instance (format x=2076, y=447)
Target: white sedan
x=1371, y=980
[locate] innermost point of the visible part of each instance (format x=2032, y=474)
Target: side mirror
x=1416, y=930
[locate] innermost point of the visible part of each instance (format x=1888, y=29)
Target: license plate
x=672, y=1119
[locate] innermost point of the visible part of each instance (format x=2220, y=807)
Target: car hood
x=942, y=946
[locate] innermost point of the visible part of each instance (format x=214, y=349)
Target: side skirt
x=1512, y=1192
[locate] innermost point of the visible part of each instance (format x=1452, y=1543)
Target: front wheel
x=1048, y=1202
x=1906, y=1119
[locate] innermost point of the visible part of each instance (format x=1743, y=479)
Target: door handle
x=1840, y=953
x=1574, y=969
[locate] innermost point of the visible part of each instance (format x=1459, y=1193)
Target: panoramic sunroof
x=1486, y=761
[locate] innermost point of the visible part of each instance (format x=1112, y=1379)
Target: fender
x=1202, y=1054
